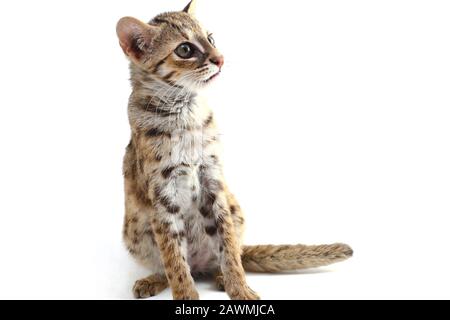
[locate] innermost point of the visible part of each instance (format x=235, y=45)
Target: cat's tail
x=276, y=258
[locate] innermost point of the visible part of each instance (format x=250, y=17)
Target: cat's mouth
x=212, y=77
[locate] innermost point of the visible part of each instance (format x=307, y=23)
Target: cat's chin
x=204, y=83
x=214, y=76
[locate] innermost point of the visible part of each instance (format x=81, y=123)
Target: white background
x=335, y=119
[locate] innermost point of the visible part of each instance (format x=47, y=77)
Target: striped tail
x=276, y=258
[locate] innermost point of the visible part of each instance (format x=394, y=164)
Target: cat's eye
x=185, y=50
x=211, y=40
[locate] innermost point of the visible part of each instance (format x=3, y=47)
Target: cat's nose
x=217, y=60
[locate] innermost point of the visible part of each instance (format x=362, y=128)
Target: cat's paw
x=243, y=292
x=220, y=283
x=149, y=287
x=188, y=294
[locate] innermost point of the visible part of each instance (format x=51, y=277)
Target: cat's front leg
x=235, y=283
x=170, y=236
x=219, y=223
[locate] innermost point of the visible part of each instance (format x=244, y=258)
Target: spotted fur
x=181, y=219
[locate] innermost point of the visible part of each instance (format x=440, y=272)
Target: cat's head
x=172, y=47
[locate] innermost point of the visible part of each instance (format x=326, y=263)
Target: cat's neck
x=165, y=106
x=164, y=95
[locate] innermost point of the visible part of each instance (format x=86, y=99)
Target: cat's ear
x=135, y=37
x=190, y=8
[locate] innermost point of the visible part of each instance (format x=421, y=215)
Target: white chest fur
x=186, y=147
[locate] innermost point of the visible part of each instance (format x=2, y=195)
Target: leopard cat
x=181, y=219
